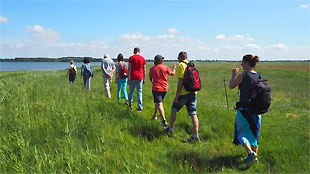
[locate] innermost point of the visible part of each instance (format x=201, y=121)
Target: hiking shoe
x=164, y=123
x=154, y=117
x=193, y=139
x=256, y=159
x=251, y=159
x=126, y=102
x=168, y=130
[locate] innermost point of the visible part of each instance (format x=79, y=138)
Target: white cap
x=106, y=56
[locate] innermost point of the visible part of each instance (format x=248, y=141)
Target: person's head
x=182, y=56
x=249, y=60
x=106, y=56
x=158, y=59
x=71, y=62
x=120, y=57
x=86, y=60
x=136, y=50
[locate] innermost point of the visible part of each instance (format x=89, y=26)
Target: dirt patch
x=290, y=115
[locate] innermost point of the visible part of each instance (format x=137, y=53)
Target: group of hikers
x=247, y=122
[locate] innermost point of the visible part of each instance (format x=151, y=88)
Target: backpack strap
x=249, y=75
x=120, y=64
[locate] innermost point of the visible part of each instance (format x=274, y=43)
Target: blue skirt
x=247, y=127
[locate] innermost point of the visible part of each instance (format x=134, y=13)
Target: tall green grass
x=47, y=125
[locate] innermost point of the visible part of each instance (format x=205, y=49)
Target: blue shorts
x=190, y=100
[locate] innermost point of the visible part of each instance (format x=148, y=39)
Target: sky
x=205, y=29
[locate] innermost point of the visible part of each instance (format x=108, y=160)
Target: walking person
x=121, y=77
x=71, y=72
x=87, y=73
x=108, y=68
x=184, y=97
x=247, y=124
x=158, y=77
x=136, y=76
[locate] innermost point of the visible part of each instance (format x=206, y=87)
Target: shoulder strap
x=120, y=64
x=249, y=75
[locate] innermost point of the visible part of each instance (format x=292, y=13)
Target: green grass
x=47, y=125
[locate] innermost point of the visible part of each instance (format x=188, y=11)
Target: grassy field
x=47, y=125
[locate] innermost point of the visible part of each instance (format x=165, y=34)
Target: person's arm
x=144, y=73
x=129, y=72
x=112, y=71
x=150, y=76
x=235, y=81
x=180, y=85
x=92, y=71
x=173, y=70
x=82, y=70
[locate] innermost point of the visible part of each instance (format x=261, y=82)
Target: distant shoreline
x=80, y=59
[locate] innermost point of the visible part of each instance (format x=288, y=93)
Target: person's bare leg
x=173, y=118
x=161, y=110
x=195, y=123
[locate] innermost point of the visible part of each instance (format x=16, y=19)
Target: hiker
x=136, y=76
x=247, y=124
x=108, y=68
x=158, y=77
x=184, y=97
x=71, y=72
x=121, y=77
x=87, y=73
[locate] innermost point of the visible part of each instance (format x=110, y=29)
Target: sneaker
x=251, y=159
x=193, y=139
x=139, y=109
x=126, y=102
x=168, y=130
x=256, y=159
x=164, y=123
x=154, y=117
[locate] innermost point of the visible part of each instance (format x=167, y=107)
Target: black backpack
x=72, y=71
x=191, y=78
x=260, y=95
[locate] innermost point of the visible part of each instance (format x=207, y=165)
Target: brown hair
x=120, y=57
x=251, y=59
x=182, y=55
x=135, y=50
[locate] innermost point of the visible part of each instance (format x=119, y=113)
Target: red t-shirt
x=136, y=64
x=158, y=74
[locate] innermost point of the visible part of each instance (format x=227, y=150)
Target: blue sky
x=210, y=29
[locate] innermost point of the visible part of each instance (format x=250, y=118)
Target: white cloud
x=16, y=45
x=252, y=46
x=173, y=31
x=221, y=36
x=304, y=5
x=277, y=46
x=236, y=37
x=4, y=19
x=166, y=44
x=42, y=35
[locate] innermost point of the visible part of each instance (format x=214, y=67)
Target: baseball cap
x=157, y=59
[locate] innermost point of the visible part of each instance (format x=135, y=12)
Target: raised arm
x=173, y=70
x=235, y=81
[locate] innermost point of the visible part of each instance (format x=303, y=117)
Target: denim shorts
x=159, y=96
x=190, y=100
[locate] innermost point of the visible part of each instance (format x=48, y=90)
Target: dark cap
x=157, y=59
